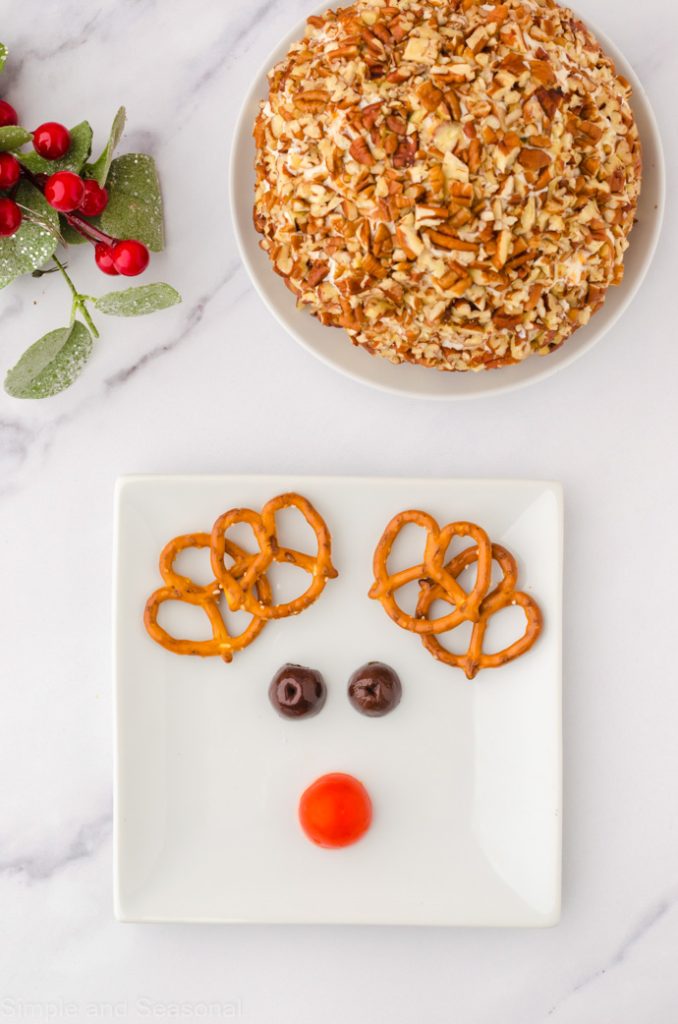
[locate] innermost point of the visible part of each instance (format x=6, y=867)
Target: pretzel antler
x=439, y=581
x=433, y=568
x=239, y=591
x=503, y=596
x=181, y=588
x=244, y=583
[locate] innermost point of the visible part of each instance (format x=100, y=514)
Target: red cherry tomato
x=335, y=810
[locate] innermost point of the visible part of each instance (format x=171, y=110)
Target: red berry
x=10, y=218
x=64, y=191
x=335, y=810
x=51, y=140
x=104, y=258
x=130, y=257
x=95, y=199
x=8, y=114
x=10, y=170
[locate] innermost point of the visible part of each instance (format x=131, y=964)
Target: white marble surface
x=213, y=386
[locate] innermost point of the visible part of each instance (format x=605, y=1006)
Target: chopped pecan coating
x=452, y=182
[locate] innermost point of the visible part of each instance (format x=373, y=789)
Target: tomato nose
x=335, y=810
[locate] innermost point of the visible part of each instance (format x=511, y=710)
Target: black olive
x=374, y=689
x=297, y=692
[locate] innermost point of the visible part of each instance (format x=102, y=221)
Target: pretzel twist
x=244, y=584
x=433, y=568
x=240, y=588
x=181, y=588
x=502, y=596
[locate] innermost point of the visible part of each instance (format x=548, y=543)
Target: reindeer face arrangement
x=336, y=809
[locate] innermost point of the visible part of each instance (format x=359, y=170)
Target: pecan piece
x=533, y=159
x=398, y=30
x=401, y=75
x=436, y=179
x=347, y=50
x=449, y=278
x=317, y=274
x=514, y=64
x=382, y=242
x=373, y=267
x=499, y=14
x=406, y=152
x=550, y=100
x=502, y=321
x=453, y=105
x=368, y=115
x=396, y=124
x=461, y=192
x=429, y=96
x=543, y=72
x=380, y=30
x=450, y=242
x=312, y=99
x=473, y=156
x=617, y=180
x=360, y=152
x=390, y=143
x=590, y=130
x=375, y=69
x=373, y=42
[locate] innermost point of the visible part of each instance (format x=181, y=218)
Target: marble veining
x=41, y=864
x=191, y=319
x=649, y=919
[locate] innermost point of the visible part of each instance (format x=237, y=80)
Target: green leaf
x=33, y=244
x=3, y=55
x=69, y=234
x=134, y=201
x=51, y=364
x=147, y=298
x=76, y=158
x=12, y=136
x=100, y=168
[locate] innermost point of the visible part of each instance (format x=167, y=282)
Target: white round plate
x=333, y=346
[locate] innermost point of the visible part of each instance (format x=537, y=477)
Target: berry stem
x=79, y=301
x=89, y=231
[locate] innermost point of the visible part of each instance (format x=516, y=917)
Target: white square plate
x=465, y=778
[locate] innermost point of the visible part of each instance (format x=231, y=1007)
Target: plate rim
x=242, y=131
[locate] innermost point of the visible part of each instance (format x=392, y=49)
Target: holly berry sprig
x=53, y=195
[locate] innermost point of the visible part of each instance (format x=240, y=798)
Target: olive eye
x=297, y=692
x=375, y=689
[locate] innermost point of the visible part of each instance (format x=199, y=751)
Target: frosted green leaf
x=147, y=298
x=100, y=168
x=134, y=201
x=51, y=364
x=33, y=244
x=69, y=234
x=12, y=136
x=3, y=55
x=76, y=158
